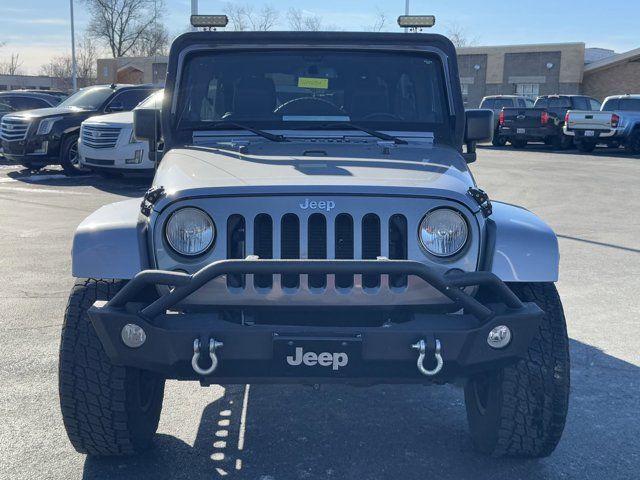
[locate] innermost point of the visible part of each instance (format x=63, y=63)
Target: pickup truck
x=497, y=103
x=544, y=122
x=313, y=219
x=616, y=124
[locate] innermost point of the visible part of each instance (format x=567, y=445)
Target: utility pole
x=194, y=11
x=74, y=67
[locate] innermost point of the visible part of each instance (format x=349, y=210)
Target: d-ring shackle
x=421, y=346
x=213, y=345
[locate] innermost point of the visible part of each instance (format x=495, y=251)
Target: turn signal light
x=501, y=117
x=544, y=117
x=615, y=120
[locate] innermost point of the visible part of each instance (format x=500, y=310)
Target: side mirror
x=146, y=126
x=479, y=127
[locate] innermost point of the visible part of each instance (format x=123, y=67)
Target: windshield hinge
x=482, y=199
x=150, y=198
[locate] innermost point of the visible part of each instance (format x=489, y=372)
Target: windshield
x=297, y=89
x=152, y=101
x=88, y=98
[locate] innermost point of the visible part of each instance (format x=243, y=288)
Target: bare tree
x=154, y=42
x=380, y=23
x=121, y=24
x=460, y=36
x=244, y=17
x=301, y=21
x=12, y=65
x=60, y=67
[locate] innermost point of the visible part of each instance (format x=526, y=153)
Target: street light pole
x=406, y=11
x=194, y=10
x=74, y=68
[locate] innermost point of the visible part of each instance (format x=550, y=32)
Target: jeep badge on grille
x=327, y=205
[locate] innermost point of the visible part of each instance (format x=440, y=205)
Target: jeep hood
x=314, y=167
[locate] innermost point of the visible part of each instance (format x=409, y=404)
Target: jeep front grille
x=325, y=238
x=14, y=129
x=94, y=136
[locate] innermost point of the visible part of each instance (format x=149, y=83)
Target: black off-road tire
x=520, y=410
x=585, y=146
x=107, y=410
x=561, y=142
x=518, y=143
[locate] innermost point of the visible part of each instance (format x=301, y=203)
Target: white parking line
x=41, y=190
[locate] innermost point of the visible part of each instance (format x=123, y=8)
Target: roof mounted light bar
x=415, y=22
x=209, y=21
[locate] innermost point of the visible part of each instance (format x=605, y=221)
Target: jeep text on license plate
x=317, y=356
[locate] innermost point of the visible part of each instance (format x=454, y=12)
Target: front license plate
x=589, y=133
x=521, y=131
x=317, y=356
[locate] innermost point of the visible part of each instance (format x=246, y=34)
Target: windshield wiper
x=234, y=125
x=373, y=133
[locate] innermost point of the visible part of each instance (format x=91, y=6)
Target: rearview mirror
x=478, y=128
x=146, y=126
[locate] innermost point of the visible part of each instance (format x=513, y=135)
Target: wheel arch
x=523, y=247
x=111, y=243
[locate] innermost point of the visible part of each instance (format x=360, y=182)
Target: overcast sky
x=39, y=29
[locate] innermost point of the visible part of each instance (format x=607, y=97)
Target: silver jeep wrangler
x=313, y=220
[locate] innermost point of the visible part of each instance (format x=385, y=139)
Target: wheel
x=106, y=409
x=633, y=144
x=520, y=410
x=561, y=142
x=519, y=143
x=585, y=146
x=69, y=158
x=499, y=141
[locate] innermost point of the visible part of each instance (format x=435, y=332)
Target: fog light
x=42, y=149
x=133, y=335
x=499, y=337
x=137, y=158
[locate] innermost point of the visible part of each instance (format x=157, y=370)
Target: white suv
x=107, y=143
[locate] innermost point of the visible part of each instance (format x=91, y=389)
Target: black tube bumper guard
x=429, y=347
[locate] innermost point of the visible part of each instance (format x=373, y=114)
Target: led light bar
x=416, y=21
x=209, y=21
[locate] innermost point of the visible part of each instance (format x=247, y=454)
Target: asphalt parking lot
x=294, y=432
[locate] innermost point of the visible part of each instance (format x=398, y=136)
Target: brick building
x=615, y=75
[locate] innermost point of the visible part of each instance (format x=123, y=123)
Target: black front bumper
x=22, y=151
x=253, y=353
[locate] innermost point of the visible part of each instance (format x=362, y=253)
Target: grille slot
x=14, y=129
x=344, y=246
x=398, y=247
x=370, y=246
x=236, y=247
x=317, y=246
x=263, y=246
x=290, y=246
x=100, y=137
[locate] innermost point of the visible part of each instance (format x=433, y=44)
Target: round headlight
x=190, y=231
x=443, y=232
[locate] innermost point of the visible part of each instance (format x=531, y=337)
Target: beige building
x=134, y=70
x=615, y=75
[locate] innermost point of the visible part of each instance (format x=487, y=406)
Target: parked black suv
x=543, y=122
x=19, y=100
x=36, y=138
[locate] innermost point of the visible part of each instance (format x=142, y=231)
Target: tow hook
x=213, y=345
x=421, y=346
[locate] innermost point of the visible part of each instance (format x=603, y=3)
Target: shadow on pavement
x=541, y=147
x=387, y=432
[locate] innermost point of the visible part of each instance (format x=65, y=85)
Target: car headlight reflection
x=190, y=231
x=443, y=232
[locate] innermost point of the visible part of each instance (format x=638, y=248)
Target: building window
x=531, y=90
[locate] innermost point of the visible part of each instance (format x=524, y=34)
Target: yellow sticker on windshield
x=308, y=82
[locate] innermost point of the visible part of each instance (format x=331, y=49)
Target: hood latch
x=150, y=198
x=482, y=199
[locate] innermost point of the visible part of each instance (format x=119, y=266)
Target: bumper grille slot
x=344, y=246
x=370, y=246
x=236, y=247
x=317, y=246
x=290, y=246
x=263, y=246
x=398, y=247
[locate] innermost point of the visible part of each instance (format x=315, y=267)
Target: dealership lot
x=275, y=432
